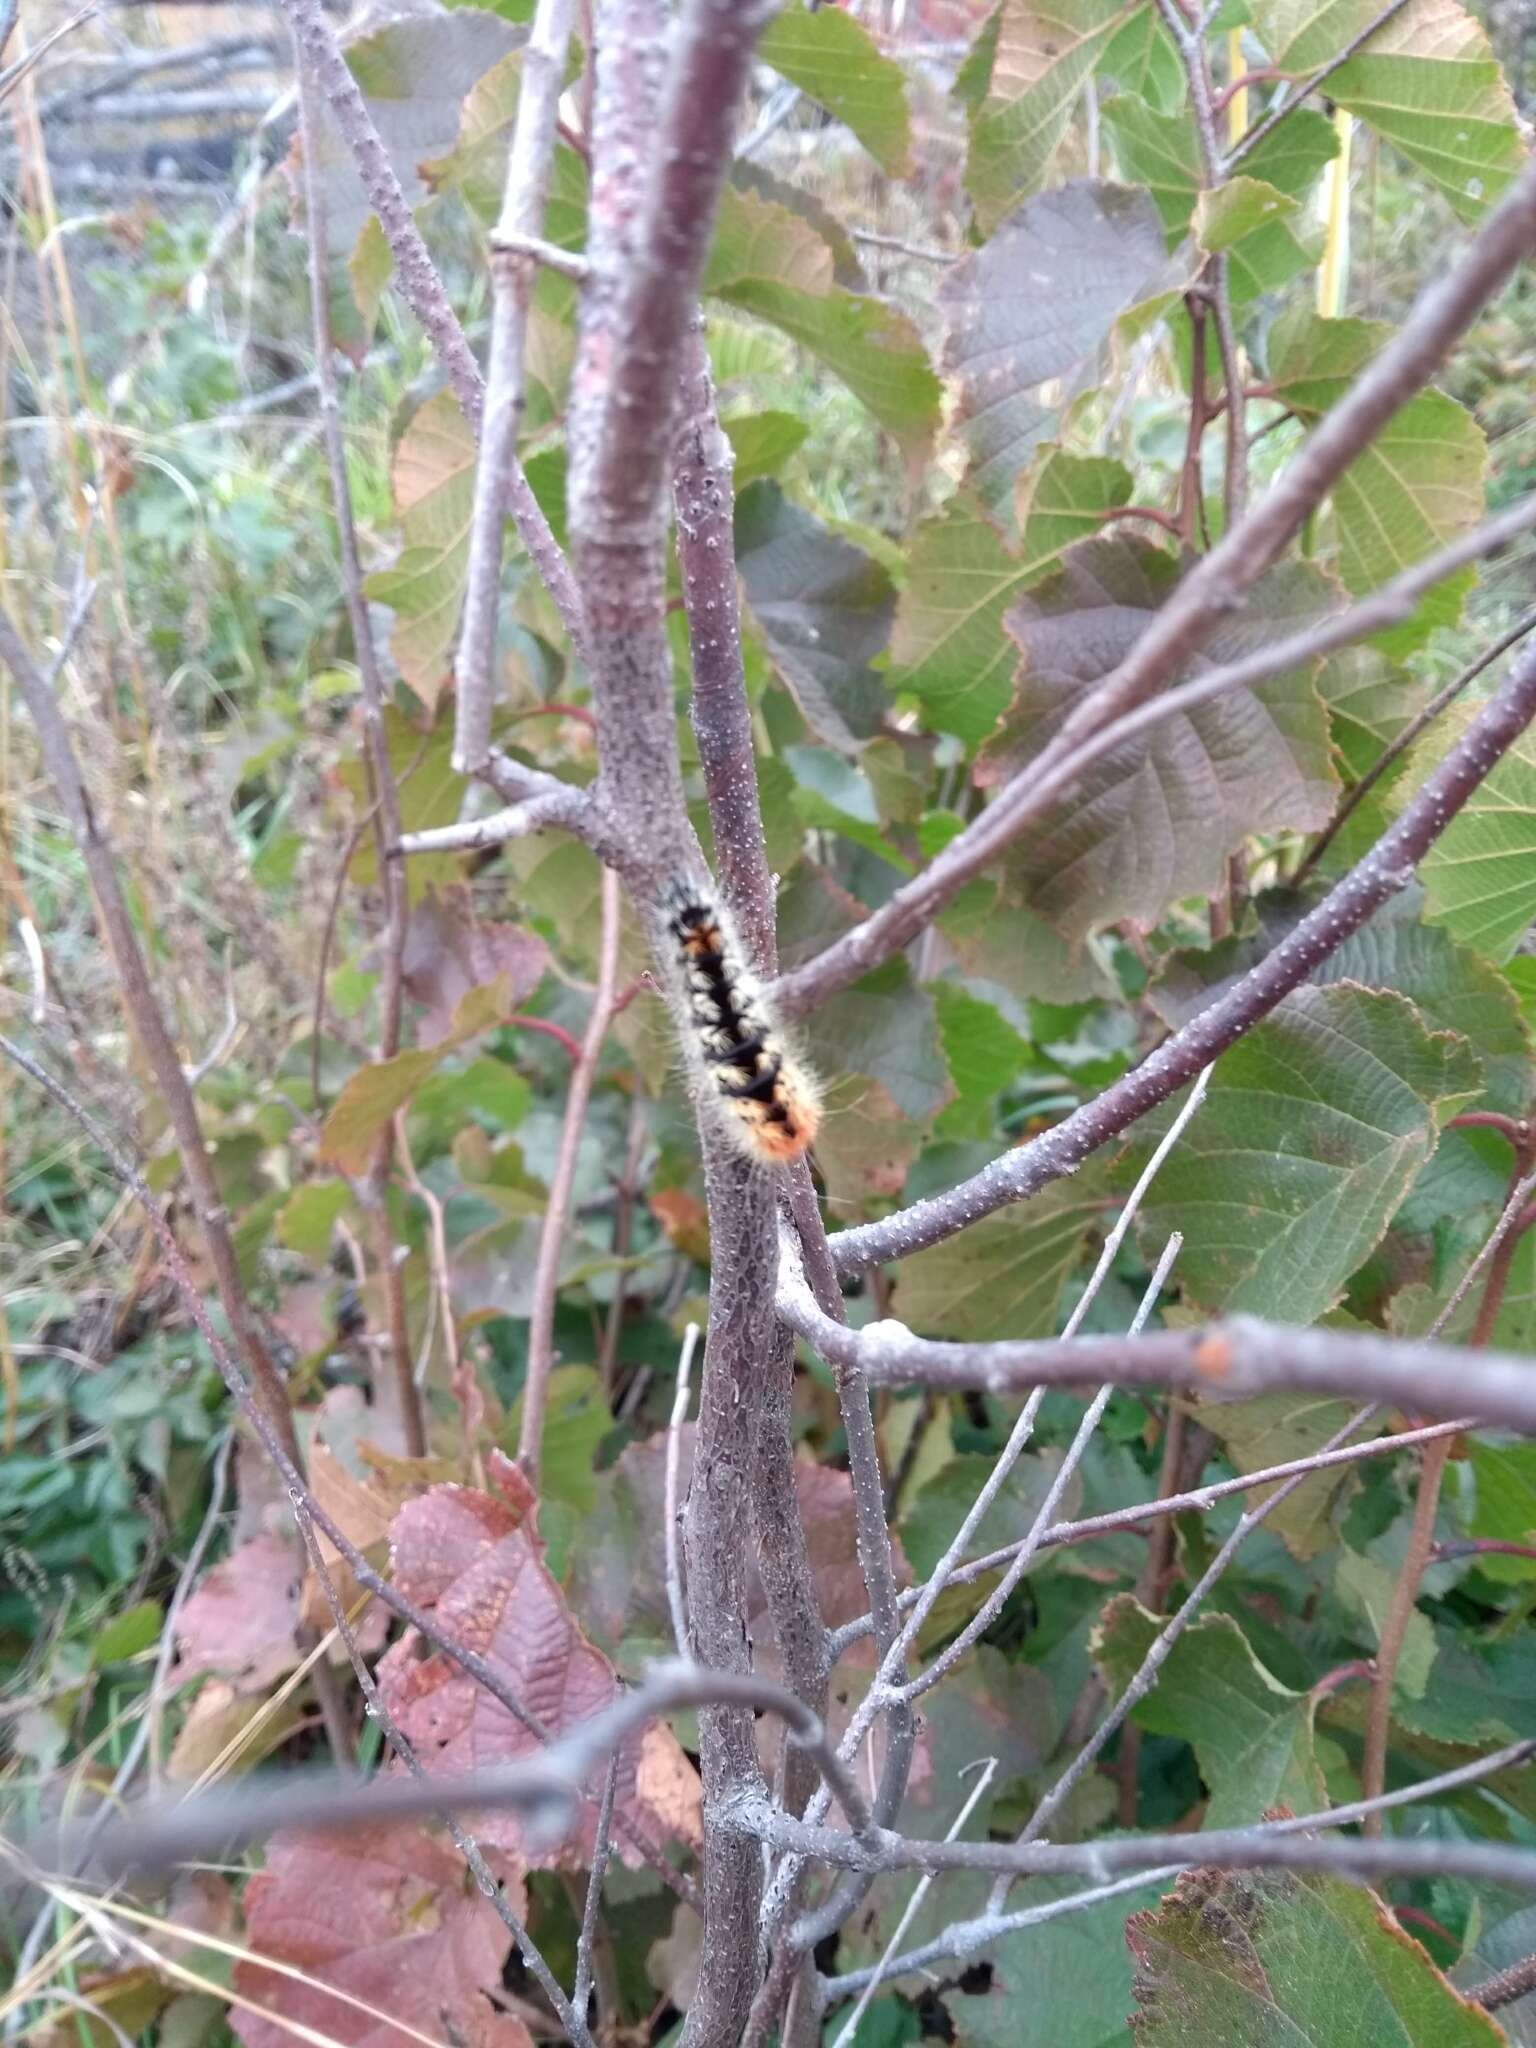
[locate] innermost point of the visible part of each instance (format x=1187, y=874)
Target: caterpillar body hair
x=739, y=1056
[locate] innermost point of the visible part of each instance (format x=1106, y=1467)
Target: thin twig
x=557, y=1209
x=601, y=1850
x=1310, y=85
x=849, y=2030
x=513, y=276
x=675, y=1598
x=421, y=285
x=385, y=809
x=1396, y=748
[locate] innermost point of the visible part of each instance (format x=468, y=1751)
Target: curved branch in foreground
x=1225, y=1361
x=1387, y=868
x=547, y=1788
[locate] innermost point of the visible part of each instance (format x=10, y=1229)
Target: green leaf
x=1504, y=1475
x=884, y=1028
x=983, y=1051
x=1066, y=1982
x=763, y=442
x=1257, y=226
x=1005, y=1275
x=1266, y=1958
x=1271, y=1429
x=1141, y=57
x=1450, y=987
x=1155, y=820
x=949, y=648
x=1026, y=315
x=434, y=485
x=1480, y=875
x=767, y=261
x=308, y=1217
x=127, y=1634
x=825, y=611
x=1313, y=1130
x=939, y=1508
x=576, y=1420
x=1043, y=53
x=1418, y=485
x=1252, y=1736
x=1427, y=81
x=361, y=1113
x=1160, y=151
x=835, y=61
x=1368, y=1587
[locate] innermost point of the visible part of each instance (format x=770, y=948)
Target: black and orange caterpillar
x=738, y=1053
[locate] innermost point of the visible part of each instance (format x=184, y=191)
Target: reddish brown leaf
x=449, y=951
x=241, y=1619
x=388, y=1915
x=475, y=1562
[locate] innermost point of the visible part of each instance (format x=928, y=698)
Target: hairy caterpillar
x=738, y=1053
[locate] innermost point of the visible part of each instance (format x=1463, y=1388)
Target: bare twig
x=1507, y=1987
x=546, y=1788
x=385, y=809
x=601, y=1850
x=675, y=1598
x=557, y=1210
x=513, y=274
x=1215, y=1849
x=1396, y=748
x=1310, y=85
x=420, y=283
x=848, y=2033
x=1228, y=1360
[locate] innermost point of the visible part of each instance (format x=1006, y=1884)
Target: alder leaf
x=474, y=1561
x=1294, y=1957
x=1004, y=1276
x=836, y=62
x=1417, y=486
x=1313, y=1130
x=1027, y=314
x=1426, y=80
x=1252, y=1736
x=1156, y=819
x=1042, y=54
x=389, y=1916
x=948, y=648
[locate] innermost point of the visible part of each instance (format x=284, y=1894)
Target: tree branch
x=557, y=1209
x=1226, y=1361
x=546, y=1788
x=1049, y=779
x=513, y=276
x=1385, y=869
x=420, y=284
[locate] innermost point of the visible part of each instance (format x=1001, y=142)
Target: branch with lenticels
x=1229, y=1360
